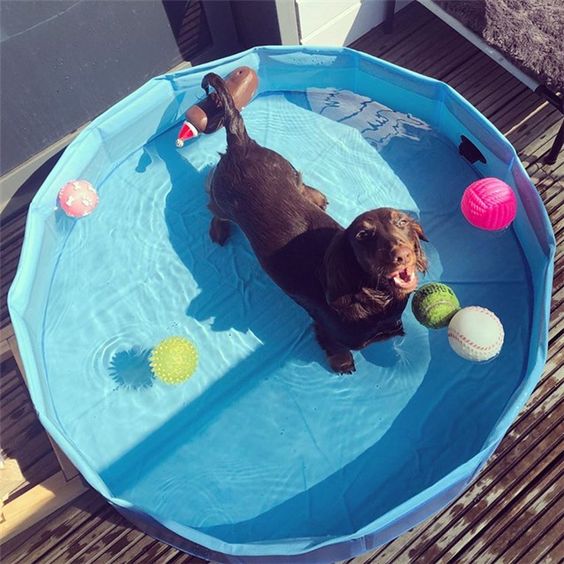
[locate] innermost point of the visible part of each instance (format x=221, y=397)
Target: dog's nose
x=401, y=255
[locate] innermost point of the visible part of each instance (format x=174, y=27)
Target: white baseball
x=475, y=333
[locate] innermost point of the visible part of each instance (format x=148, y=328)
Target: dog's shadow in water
x=234, y=293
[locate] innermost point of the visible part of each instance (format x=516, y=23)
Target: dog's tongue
x=405, y=280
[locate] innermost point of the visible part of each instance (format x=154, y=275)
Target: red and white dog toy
x=207, y=116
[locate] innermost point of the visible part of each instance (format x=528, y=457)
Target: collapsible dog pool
x=264, y=454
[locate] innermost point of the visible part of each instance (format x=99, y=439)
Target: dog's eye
x=402, y=223
x=363, y=235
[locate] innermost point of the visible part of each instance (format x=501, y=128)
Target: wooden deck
x=512, y=513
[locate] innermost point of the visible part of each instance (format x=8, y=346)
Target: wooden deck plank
x=99, y=529
x=5, y=351
x=183, y=559
x=61, y=527
x=10, y=248
x=555, y=554
x=12, y=229
x=40, y=501
x=516, y=111
x=542, y=143
x=9, y=382
x=393, y=47
x=21, y=436
x=551, y=198
x=40, y=470
x=541, y=513
x=542, y=180
x=132, y=551
x=11, y=254
x=553, y=205
x=112, y=552
x=156, y=553
x=405, y=26
x=469, y=73
x=495, y=101
x=483, y=96
x=15, y=405
x=6, y=332
x=455, y=57
x=547, y=123
x=397, y=550
x=521, y=137
x=538, y=551
x=423, y=36
x=440, y=44
x=511, y=519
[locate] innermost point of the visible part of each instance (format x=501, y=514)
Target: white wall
x=339, y=22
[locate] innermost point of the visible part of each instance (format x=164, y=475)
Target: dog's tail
x=234, y=125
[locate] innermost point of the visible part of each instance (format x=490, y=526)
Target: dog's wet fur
x=354, y=282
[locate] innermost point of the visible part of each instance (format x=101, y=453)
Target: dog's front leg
x=219, y=230
x=340, y=358
x=314, y=196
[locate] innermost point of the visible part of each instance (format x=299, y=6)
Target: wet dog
x=354, y=282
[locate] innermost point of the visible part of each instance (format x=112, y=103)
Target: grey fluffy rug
x=528, y=32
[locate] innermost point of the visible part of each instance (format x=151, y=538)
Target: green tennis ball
x=174, y=360
x=434, y=305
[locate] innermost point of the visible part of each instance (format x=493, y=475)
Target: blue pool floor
x=263, y=442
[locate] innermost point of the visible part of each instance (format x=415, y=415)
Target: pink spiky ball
x=78, y=198
x=489, y=203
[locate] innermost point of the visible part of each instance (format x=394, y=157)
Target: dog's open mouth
x=405, y=280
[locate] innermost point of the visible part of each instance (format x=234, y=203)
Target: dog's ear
x=419, y=230
x=421, y=262
x=343, y=285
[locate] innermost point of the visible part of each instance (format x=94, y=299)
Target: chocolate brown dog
x=354, y=282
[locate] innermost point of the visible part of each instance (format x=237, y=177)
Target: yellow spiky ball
x=174, y=360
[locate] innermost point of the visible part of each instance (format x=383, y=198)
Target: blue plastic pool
x=264, y=454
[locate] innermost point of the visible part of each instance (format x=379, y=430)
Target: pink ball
x=489, y=203
x=78, y=198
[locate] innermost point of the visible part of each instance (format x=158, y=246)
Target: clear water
x=263, y=442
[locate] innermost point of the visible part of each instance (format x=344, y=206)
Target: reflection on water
x=377, y=123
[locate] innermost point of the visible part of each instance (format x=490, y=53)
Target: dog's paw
x=319, y=199
x=342, y=363
x=316, y=197
x=219, y=231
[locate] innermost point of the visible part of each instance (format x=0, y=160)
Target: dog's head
x=386, y=245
